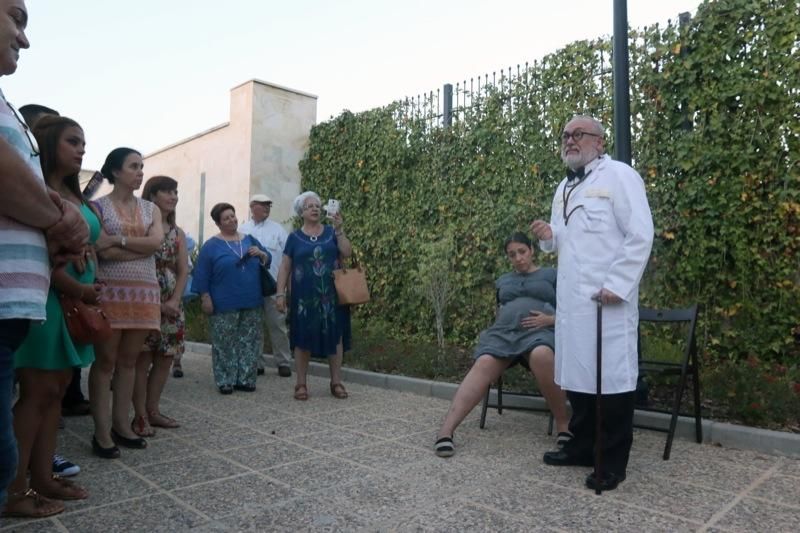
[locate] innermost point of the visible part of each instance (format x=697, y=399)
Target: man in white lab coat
x=602, y=229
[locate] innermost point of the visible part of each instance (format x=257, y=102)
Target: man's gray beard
x=573, y=161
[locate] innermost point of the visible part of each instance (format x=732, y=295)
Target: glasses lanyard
x=565, y=197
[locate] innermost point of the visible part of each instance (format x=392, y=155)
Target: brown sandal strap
x=301, y=392
x=338, y=391
x=38, y=502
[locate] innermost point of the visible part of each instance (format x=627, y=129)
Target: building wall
x=257, y=151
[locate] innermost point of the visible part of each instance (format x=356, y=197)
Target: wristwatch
x=123, y=241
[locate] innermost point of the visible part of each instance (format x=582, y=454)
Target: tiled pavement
x=264, y=462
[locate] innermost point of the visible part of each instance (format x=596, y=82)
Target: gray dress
x=518, y=295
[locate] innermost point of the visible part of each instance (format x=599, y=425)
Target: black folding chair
x=685, y=367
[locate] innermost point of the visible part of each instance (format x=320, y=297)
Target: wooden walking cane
x=598, y=432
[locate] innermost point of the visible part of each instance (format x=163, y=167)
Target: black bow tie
x=580, y=173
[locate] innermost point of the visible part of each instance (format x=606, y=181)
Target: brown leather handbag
x=351, y=286
x=86, y=323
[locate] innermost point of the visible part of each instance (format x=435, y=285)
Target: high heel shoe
x=105, y=453
x=137, y=444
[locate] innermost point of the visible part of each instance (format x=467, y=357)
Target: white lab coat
x=606, y=244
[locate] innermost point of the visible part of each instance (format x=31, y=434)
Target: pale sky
x=148, y=73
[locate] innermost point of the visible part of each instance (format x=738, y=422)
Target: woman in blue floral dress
x=318, y=325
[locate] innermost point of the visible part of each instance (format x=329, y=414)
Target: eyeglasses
x=312, y=206
x=31, y=138
x=576, y=135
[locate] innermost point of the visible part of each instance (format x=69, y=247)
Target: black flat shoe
x=562, y=458
x=105, y=453
x=608, y=481
x=284, y=371
x=260, y=371
x=245, y=388
x=177, y=372
x=137, y=444
x=226, y=389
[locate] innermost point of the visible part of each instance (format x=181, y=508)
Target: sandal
x=162, y=421
x=444, y=447
x=338, y=391
x=301, y=392
x=40, y=506
x=141, y=426
x=67, y=490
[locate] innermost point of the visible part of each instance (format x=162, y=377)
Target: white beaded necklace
x=240, y=255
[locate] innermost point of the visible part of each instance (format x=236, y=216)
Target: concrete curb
x=719, y=433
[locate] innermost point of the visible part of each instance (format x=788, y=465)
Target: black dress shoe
x=137, y=444
x=245, y=388
x=284, y=371
x=608, y=481
x=260, y=371
x=105, y=453
x=226, y=389
x=562, y=458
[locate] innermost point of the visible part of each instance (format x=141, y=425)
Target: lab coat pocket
x=596, y=214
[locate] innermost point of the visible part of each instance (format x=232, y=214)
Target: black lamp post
x=622, y=101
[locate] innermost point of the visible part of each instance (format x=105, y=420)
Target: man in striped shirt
x=36, y=228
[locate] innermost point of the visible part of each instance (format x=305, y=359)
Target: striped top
x=24, y=263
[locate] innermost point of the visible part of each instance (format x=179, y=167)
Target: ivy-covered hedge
x=716, y=136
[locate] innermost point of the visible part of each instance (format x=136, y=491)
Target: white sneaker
x=63, y=468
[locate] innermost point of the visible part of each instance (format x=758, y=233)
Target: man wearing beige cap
x=272, y=236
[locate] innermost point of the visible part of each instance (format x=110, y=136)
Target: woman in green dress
x=45, y=361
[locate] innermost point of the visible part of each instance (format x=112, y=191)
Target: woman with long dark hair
x=44, y=362
x=172, y=269
x=131, y=299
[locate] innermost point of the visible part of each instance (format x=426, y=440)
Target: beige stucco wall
x=257, y=151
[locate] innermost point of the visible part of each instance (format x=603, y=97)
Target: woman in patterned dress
x=131, y=298
x=172, y=267
x=318, y=325
x=44, y=362
x=227, y=277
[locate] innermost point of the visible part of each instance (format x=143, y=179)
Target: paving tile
x=293, y=427
x=306, y=514
x=379, y=498
x=185, y=472
x=16, y=525
x=387, y=428
x=673, y=496
x=456, y=517
x=391, y=457
x=109, y=487
x=757, y=515
x=352, y=416
x=317, y=473
x=157, y=451
x=244, y=494
x=336, y=439
x=779, y=489
x=224, y=439
x=150, y=514
x=269, y=453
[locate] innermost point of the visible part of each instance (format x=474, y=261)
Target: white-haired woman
x=318, y=325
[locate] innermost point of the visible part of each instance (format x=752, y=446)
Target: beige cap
x=260, y=198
